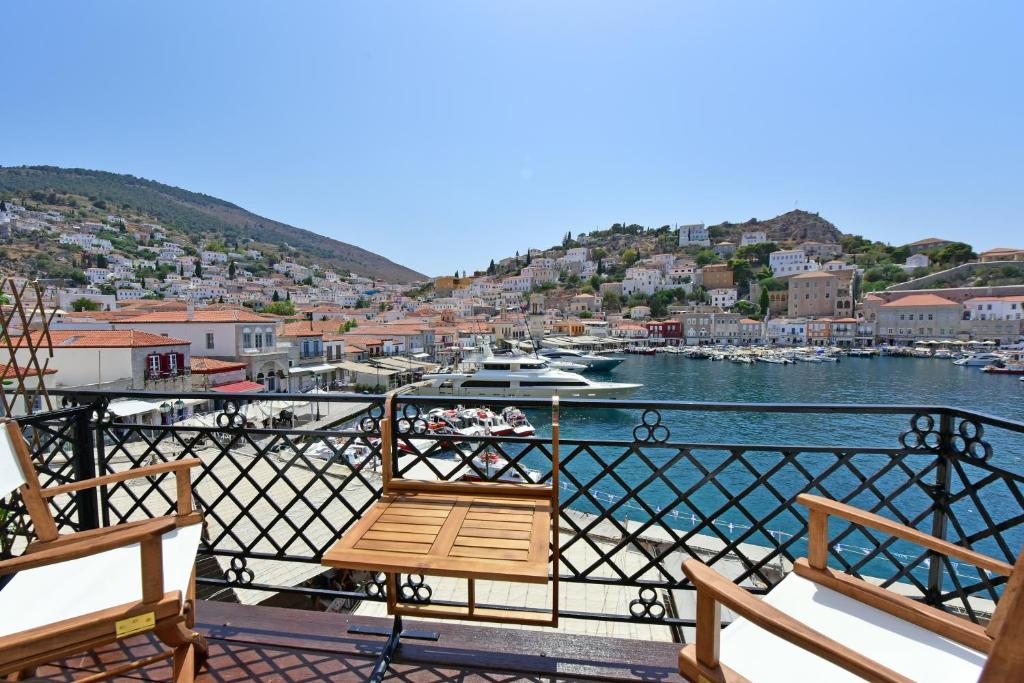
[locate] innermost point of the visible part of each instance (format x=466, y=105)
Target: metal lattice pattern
x=632, y=510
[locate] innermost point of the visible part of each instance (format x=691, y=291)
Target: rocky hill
x=792, y=226
x=85, y=193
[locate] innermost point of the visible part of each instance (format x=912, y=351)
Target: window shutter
x=181, y=361
x=165, y=363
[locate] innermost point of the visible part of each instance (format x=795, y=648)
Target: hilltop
x=83, y=194
x=792, y=226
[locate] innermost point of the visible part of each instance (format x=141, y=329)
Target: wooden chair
x=818, y=624
x=74, y=592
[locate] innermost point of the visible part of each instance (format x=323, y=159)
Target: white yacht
x=590, y=360
x=518, y=377
x=979, y=359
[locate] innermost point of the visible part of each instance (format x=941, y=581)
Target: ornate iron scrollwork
x=371, y=423
x=411, y=422
x=239, y=572
x=968, y=441
x=415, y=589
x=650, y=429
x=376, y=586
x=101, y=414
x=232, y=417
x=922, y=433
x=647, y=606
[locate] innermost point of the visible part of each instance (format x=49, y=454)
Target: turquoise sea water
x=852, y=381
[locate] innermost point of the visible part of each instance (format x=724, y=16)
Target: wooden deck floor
x=272, y=644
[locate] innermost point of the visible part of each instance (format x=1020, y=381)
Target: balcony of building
x=637, y=497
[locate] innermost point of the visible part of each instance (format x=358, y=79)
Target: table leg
x=394, y=635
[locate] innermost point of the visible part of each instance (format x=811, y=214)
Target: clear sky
x=442, y=134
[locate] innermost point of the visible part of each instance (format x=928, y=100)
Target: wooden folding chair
x=818, y=624
x=74, y=592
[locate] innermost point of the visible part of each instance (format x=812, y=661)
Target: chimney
x=190, y=310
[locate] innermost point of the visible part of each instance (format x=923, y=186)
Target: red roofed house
x=208, y=373
x=918, y=317
x=114, y=359
x=230, y=334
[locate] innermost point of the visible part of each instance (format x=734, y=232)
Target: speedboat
x=590, y=361
x=520, y=425
x=1010, y=364
x=488, y=466
x=979, y=359
x=520, y=377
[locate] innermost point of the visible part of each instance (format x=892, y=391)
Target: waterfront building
x=698, y=326
x=751, y=331
x=786, y=331
x=123, y=359
x=666, y=331
x=222, y=333
x=918, y=317
x=725, y=328
x=812, y=294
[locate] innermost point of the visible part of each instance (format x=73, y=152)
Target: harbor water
x=854, y=380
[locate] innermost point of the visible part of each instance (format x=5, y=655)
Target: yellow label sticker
x=137, y=624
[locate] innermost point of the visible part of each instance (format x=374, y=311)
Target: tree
x=600, y=267
x=517, y=258
x=630, y=256
x=528, y=258
x=611, y=302
x=491, y=268
x=745, y=307
x=955, y=253
x=706, y=257
x=231, y=271
x=758, y=253
x=740, y=271
x=280, y=308
x=84, y=304
x=362, y=303
x=762, y=301
x=276, y=297
x=659, y=302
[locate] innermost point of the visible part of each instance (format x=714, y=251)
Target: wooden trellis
x=28, y=322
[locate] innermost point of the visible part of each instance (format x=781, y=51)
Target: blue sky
x=442, y=134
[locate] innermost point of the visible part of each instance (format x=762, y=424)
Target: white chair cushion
x=46, y=595
x=915, y=652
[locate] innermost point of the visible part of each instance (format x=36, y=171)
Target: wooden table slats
x=451, y=535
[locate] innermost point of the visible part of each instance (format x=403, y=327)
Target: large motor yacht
x=521, y=376
x=590, y=360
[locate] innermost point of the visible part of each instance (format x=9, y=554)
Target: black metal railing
x=644, y=484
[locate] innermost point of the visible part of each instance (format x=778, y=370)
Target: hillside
x=197, y=216
x=792, y=226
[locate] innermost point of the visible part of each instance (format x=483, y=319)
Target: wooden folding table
x=493, y=531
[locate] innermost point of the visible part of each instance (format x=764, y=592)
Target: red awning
x=238, y=387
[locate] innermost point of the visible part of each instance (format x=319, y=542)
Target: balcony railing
x=645, y=484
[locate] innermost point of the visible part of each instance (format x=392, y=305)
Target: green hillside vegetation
x=85, y=194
